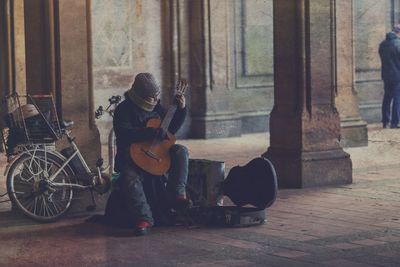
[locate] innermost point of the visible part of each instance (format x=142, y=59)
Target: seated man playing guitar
x=145, y=147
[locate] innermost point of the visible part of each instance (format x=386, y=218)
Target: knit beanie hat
x=144, y=86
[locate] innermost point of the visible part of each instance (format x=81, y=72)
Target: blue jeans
x=146, y=194
x=392, y=94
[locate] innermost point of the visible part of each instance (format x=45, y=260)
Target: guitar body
x=153, y=156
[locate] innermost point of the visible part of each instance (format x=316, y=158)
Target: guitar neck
x=180, y=90
x=168, y=117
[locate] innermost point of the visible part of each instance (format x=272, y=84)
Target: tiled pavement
x=353, y=225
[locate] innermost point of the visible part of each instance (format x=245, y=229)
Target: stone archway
x=198, y=40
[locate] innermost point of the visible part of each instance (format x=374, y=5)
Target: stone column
x=75, y=75
x=353, y=128
x=58, y=61
x=6, y=81
x=6, y=48
x=211, y=106
x=305, y=125
x=39, y=39
x=19, y=46
x=76, y=92
x=12, y=51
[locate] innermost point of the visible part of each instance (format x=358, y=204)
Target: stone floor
x=352, y=225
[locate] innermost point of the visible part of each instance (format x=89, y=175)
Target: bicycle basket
x=29, y=119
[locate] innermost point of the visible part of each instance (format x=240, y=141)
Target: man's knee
x=180, y=151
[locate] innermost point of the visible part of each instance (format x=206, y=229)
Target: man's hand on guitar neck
x=156, y=133
x=161, y=134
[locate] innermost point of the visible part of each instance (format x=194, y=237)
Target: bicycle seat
x=66, y=123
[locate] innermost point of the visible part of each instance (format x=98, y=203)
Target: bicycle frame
x=77, y=152
x=27, y=150
x=113, y=102
x=66, y=161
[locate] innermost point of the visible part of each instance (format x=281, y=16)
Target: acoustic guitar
x=153, y=156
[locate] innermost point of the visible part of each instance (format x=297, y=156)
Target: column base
x=255, y=122
x=216, y=126
x=353, y=132
x=309, y=169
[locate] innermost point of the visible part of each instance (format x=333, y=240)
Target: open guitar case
x=254, y=184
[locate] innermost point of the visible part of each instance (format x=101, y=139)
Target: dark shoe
x=385, y=125
x=394, y=126
x=142, y=228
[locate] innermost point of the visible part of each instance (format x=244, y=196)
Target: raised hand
x=180, y=93
x=181, y=87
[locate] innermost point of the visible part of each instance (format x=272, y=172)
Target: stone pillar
x=213, y=114
x=353, y=128
x=76, y=92
x=58, y=61
x=19, y=47
x=6, y=49
x=75, y=75
x=305, y=125
x=39, y=39
x=12, y=50
x=6, y=81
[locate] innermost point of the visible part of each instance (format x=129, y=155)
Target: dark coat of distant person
x=389, y=50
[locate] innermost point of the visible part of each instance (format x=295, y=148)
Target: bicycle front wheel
x=31, y=190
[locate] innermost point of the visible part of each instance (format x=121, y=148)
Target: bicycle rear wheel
x=30, y=189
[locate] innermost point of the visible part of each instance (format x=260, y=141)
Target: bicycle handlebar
x=99, y=112
x=113, y=100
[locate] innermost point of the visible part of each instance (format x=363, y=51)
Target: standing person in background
x=389, y=52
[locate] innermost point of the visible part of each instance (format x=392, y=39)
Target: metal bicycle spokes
x=33, y=191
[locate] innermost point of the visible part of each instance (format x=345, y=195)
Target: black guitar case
x=253, y=184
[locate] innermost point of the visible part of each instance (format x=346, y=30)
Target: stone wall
x=253, y=63
x=126, y=38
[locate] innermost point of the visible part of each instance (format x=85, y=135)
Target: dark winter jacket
x=130, y=127
x=389, y=51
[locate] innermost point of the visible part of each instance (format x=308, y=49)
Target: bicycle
x=41, y=181
x=112, y=145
